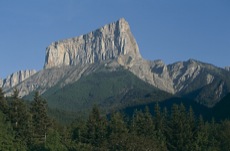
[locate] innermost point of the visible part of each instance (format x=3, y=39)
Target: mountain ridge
x=113, y=46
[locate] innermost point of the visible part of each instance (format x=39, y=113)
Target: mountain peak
x=123, y=24
x=122, y=20
x=112, y=41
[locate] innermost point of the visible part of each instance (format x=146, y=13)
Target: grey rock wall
x=16, y=78
x=1, y=82
x=109, y=42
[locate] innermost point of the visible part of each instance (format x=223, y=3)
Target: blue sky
x=171, y=30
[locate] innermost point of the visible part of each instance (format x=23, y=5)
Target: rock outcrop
x=16, y=78
x=1, y=82
x=227, y=68
x=113, y=41
x=192, y=78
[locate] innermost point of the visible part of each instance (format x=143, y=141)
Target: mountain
x=191, y=79
x=110, y=49
x=15, y=78
x=116, y=42
x=73, y=57
x=205, y=83
x=227, y=68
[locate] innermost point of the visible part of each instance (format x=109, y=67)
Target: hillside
x=221, y=110
x=109, y=90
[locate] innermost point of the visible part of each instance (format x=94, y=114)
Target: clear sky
x=171, y=30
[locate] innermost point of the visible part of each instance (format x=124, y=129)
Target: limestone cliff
x=16, y=78
x=113, y=41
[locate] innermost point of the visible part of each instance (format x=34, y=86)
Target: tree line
x=26, y=126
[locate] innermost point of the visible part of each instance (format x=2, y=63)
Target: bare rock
x=16, y=78
x=1, y=82
x=227, y=68
x=113, y=41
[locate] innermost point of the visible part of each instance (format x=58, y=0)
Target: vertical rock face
x=16, y=78
x=1, y=82
x=227, y=68
x=161, y=76
x=109, y=42
x=183, y=73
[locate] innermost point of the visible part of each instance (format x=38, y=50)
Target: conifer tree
x=6, y=134
x=148, y=124
x=40, y=121
x=96, y=129
x=19, y=117
x=224, y=135
x=175, y=132
x=53, y=142
x=78, y=129
x=200, y=135
x=213, y=132
x=118, y=132
x=1, y=94
x=160, y=121
x=137, y=124
x=3, y=104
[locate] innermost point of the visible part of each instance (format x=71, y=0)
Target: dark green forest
x=28, y=127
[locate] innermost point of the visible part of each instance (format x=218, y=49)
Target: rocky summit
x=113, y=41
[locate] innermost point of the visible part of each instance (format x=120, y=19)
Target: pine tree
x=186, y=129
x=6, y=134
x=40, y=121
x=177, y=127
x=148, y=124
x=53, y=142
x=3, y=104
x=137, y=125
x=213, y=133
x=1, y=94
x=78, y=129
x=189, y=129
x=201, y=135
x=160, y=123
x=96, y=129
x=118, y=132
x=19, y=117
x=224, y=135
